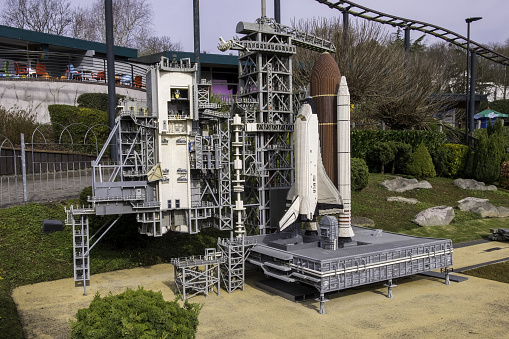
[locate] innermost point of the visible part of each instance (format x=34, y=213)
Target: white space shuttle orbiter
x=312, y=186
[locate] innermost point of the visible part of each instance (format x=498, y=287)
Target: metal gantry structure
x=266, y=107
x=349, y=7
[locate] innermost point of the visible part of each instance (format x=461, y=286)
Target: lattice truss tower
x=265, y=96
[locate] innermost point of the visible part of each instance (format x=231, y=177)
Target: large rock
x=503, y=212
x=402, y=185
x=435, y=216
x=471, y=184
x=404, y=200
x=363, y=222
x=480, y=206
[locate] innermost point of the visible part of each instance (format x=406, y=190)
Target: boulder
x=402, y=185
x=471, y=184
x=503, y=212
x=480, y=206
x=363, y=222
x=435, y=216
x=404, y=200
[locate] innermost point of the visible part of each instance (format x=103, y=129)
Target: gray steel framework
x=456, y=39
x=235, y=251
x=195, y=275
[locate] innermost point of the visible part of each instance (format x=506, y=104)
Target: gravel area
x=422, y=307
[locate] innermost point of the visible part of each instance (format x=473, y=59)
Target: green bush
x=136, y=314
x=420, y=164
x=489, y=153
x=360, y=174
x=381, y=154
x=82, y=127
x=504, y=175
x=402, y=152
x=460, y=156
x=443, y=159
x=96, y=101
x=363, y=140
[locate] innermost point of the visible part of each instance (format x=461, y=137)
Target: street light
x=468, y=115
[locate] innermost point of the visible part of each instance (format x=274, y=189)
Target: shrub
x=460, y=156
x=363, y=140
x=360, y=174
x=402, y=154
x=80, y=123
x=420, y=164
x=443, y=158
x=381, y=154
x=489, y=154
x=15, y=121
x=96, y=101
x=136, y=314
x=504, y=175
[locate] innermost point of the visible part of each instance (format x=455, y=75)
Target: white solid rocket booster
x=344, y=174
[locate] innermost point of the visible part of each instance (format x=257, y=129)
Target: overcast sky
x=220, y=17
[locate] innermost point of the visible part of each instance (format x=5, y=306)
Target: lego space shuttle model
x=312, y=186
x=313, y=189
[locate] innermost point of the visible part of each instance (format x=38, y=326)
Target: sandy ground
x=422, y=307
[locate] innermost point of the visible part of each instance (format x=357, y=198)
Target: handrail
x=56, y=66
x=354, y=9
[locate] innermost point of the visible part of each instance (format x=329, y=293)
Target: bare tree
x=156, y=44
x=131, y=22
x=385, y=83
x=48, y=16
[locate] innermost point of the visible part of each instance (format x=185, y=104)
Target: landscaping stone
x=410, y=201
x=435, y=216
x=471, y=184
x=362, y=222
x=480, y=206
x=503, y=212
x=402, y=185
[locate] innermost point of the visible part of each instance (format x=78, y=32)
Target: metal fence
x=54, y=66
x=28, y=175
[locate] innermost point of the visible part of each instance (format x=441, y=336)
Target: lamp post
x=469, y=116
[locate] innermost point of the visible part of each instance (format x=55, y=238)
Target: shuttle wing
x=329, y=200
x=291, y=214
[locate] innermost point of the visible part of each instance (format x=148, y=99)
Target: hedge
x=461, y=154
x=363, y=140
x=96, y=101
x=77, y=121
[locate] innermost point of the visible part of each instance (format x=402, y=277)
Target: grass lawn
x=497, y=272
x=28, y=256
x=372, y=203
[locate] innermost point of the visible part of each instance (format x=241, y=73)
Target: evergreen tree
x=489, y=153
x=420, y=164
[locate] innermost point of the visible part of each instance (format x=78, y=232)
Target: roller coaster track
x=439, y=32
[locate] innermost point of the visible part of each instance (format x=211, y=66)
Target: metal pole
x=472, y=90
x=467, y=105
x=407, y=39
x=196, y=20
x=110, y=56
x=24, y=167
x=277, y=11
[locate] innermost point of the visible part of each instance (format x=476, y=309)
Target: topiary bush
x=489, y=153
x=460, y=156
x=443, y=158
x=96, y=101
x=402, y=153
x=136, y=314
x=360, y=174
x=504, y=175
x=420, y=164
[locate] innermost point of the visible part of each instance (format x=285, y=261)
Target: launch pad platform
x=372, y=256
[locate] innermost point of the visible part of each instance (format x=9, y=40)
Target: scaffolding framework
x=195, y=275
x=235, y=251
